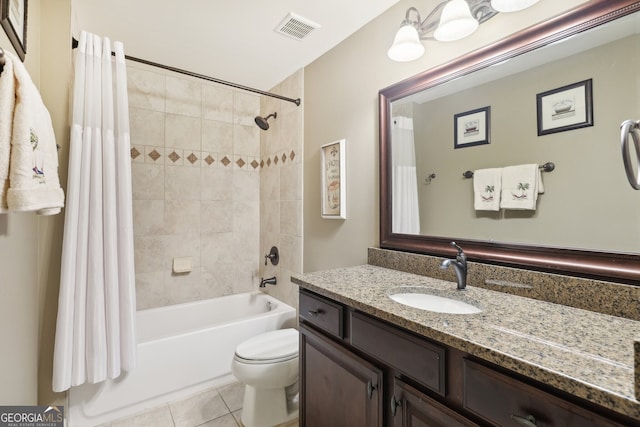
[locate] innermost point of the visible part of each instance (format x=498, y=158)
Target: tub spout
x=269, y=281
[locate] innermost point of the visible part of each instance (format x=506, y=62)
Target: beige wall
x=30, y=245
x=588, y=166
x=55, y=77
x=18, y=267
x=341, y=96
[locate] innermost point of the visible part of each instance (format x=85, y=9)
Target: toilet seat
x=270, y=347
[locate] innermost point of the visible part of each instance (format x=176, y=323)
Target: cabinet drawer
x=422, y=361
x=323, y=313
x=500, y=399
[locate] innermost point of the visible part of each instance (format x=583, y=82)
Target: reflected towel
x=520, y=187
x=486, y=189
x=34, y=182
x=7, y=105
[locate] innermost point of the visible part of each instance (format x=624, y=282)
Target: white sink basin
x=425, y=300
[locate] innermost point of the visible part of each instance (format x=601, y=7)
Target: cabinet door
x=412, y=408
x=338, y=387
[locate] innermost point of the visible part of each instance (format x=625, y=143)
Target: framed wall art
x=334, y=197
x=472, y=128
x=565, y=108
x=13, y=18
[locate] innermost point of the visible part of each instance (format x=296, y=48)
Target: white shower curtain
x=95, y=332
x=405, y=211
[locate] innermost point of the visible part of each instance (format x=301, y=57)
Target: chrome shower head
x=262, y=122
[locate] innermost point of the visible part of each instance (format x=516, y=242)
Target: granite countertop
x=587, y=354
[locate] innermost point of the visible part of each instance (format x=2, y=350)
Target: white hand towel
x=7, y=105
x=486, y=189
x=34, y=182
x=520, y=187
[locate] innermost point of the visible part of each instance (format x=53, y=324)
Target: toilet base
x=267, y=407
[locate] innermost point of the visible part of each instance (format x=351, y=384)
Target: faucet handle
x=461, y=255
x=273, y=255
x=458, y=248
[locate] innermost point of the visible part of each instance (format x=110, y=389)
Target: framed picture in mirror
x=13, y=18
x=472, y=128
x=565, y=108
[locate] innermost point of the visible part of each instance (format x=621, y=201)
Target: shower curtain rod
x=74, y=44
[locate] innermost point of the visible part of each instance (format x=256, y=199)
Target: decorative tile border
x=193, y=158
x=278, y=159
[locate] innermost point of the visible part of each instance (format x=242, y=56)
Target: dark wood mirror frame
x=616, y=267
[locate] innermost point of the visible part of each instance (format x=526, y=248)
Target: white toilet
x=268, y=366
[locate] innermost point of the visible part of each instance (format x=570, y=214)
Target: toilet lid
x=273, y=345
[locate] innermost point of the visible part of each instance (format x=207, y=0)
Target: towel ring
x=630, y=127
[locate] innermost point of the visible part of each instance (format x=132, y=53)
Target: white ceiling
x=232, y=40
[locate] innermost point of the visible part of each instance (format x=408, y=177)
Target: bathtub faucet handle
x=269, y=281
x=273, y=255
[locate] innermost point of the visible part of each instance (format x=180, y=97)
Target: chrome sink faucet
x=459, y=266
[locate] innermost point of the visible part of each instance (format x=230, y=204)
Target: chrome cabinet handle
x=528, y=421
x=370, y=389
x=316, y=312
x=394, y=405
x=630, y=127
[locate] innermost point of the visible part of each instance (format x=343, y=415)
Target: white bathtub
x=182, y=349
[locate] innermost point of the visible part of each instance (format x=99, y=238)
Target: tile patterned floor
x=212, y=408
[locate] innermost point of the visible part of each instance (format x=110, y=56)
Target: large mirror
x=587, y=220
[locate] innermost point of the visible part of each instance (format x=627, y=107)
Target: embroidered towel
x=486, y=189
x=520, y=187
x=7, y=105
x=34, y=182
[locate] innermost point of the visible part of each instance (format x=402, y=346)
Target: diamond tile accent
x=174, y=156
x=255, y=164
x=240, y=162
x=261, y=163
x=134, y=152
x=209, y=159
x=292, y=155
x=155, y=155
x=192, y=158
x=276, y=159
x=225, y=161
x=269, y=161
x=284, y=158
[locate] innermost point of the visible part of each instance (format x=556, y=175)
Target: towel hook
x=630, y=127
x=430, y=178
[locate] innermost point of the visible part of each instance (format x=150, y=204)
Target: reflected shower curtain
x=95, y=331
x=405, y=212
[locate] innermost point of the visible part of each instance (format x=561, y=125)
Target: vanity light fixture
x=449, y=21
x=511, y=5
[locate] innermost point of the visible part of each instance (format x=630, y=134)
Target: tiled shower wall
x=281, y=187
x=196, y=187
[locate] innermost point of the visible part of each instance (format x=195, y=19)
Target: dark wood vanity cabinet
x=356, y=370
x=338, y=387
x=410, y=407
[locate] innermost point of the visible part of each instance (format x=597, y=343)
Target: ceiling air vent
x=295, y=26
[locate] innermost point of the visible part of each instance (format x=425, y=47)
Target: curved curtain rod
x=74, y=44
